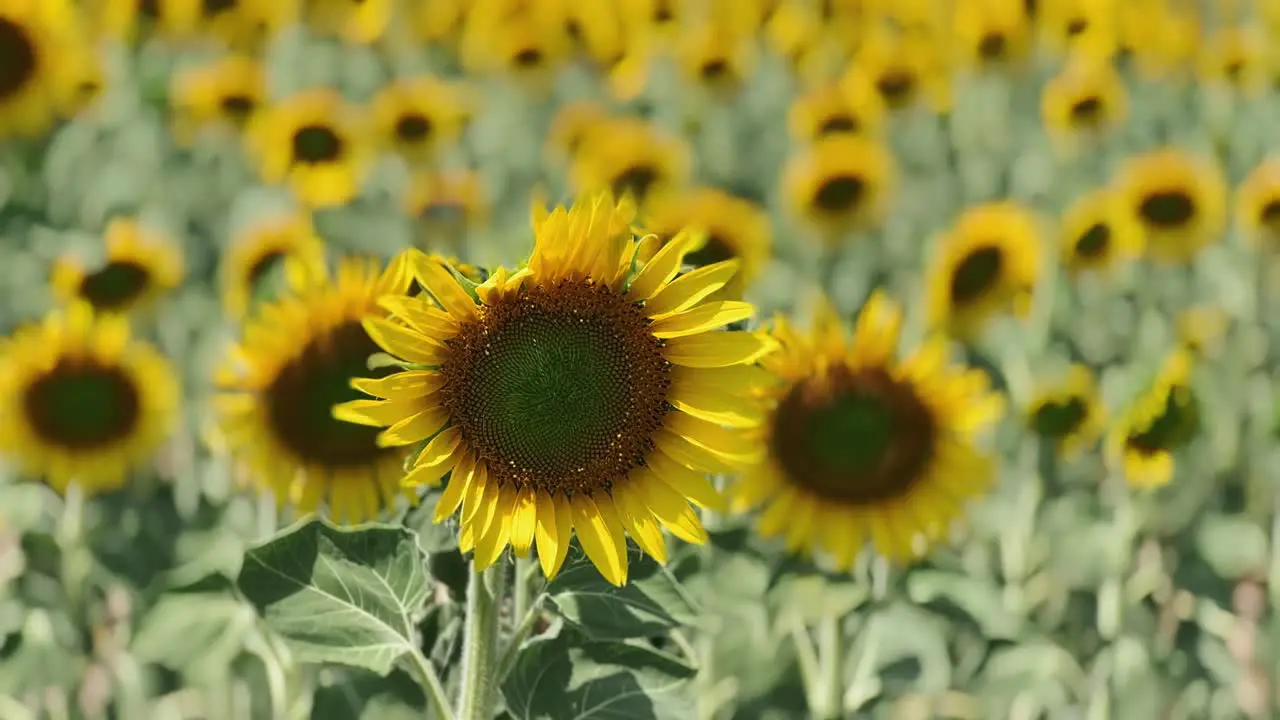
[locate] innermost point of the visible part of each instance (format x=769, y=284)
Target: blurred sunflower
x=714, y=57
x=1085, y=99
x=992, y=34
x=1201, y=329
x=298, y=357
x=251, y=23
x=570, y=126
x=86, y=81
x=594, y=31
x=864, y=446
x=360, y=22
x=1068, y=413
x=229, y=90
x=314, y=142
x=1238, y=58
x=439, y=22
x=446, y=207
x=1177, y=198
x=1258, y=204
x=132, y=19
x=1161, y=37
x=905, y=68
x=852, y=107
x=1163, y=420
x=987, y=263
x=575, y=393
x=794, y=33
x=734, y=228
x=263, y=249
x=840, y=183
x=81, y=401
x=417, y=117
x=525, y=42
x=1097, y=233
x=658, y=20
x=35, y=45
x=626, y=155
x=1083, y=29
x=139, y=267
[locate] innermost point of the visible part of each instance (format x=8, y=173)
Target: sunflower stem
x=831, y=681
x=479, y=642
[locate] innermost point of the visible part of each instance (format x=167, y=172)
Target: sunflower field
x=639, y=359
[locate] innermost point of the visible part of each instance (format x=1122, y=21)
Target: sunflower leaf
x=565, y=676
x=650, y=604
x=340, y=595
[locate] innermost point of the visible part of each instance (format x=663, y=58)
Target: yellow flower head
x=261, y=249
x=628, y=156
x=139, y=266
x=1258, y=204
x=586, y=393
x=1097, y=233
x=417, y=117
x=1163, y=420
x=1177, y=198
x=1067, y=413
x=40, y=56
x=839, y=184
x=230, y=90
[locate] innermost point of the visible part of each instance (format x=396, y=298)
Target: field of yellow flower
x=639, y=359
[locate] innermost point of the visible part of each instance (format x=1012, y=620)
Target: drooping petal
x=414, y=428
x=701, y=319
x=601, y=535
x=691, y=288
x=403, y=342
x=443, y=286
x=524, y=521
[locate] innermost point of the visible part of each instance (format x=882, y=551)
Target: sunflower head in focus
x=1177, y=198
x=1098, y=234
x=1068, y=413
x=733, y=228
x=839, y=184
x=297, y=358
x=851, y=107
x=1079, y=28
x=139, y=266
x=1162, y=421
x=417, y=117
x=82, y=401
x=988, y=263
x=1085, y=100
x=36, y=46
x=992, y=34
x=586, y=393
x=628, y=156
x=862, y=445
x=1258, y=204
x=262, y=251
x=1236, y=57
x=446, y=207
x=360, y=22
x=315, y=143
x=230, y=91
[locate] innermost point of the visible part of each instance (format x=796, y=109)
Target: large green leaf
x=356, y=694
x=340, y=595
x=651, y=603
x=566, y=676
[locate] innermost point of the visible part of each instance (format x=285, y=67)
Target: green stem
x=437, y=698
x=831, y=683
x=479, y=642
x=521, y=633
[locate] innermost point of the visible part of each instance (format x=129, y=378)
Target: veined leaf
x=340, y=595
x=651, y=603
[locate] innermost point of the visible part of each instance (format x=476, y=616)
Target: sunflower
x=594, y=31
x=129, y=19
x=300, y=356
x=360, y=22
x=438, y=22
x=1085, y=99
x=1201, y=329
x=659, y=20
x=247, y=25
x=585, y=391
x=229, y=90
x=1097, y=233
x=316, y=143
x=1161, y=37
x=851, y=107
x=794, y=33
x=1236, y=57
x=1068, y=413
x=522, y=41
x=34, y=74
x=1079, y=28
x=261, y=250
x=992, y=34
x=446, y=207
x=987, y=263
x=82, y=401
x=139, y=267
x=1178, y=199
x=570, y=126
x=840, y=183
x=627, y=155
x=1258, y=203
x=86, y=81
x=861, y=445
x=905, y=68
x=714, y=57
x=1162, y=421
x=733, y=228
x=416, y=117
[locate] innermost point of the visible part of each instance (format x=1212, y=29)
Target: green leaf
x=565, y=676
x=340, y=595
x=197, y=634
x=650, y=604
x=357, y=694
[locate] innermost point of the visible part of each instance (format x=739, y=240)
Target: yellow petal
x=524, y=521
x=729, y=443
x=490, y=545
x=702, y=318
x=601, y=535
x=402, y=342
x=436, y=459
x=443, y=286
x=691, y=288
x=373, y=413
x=551, y=545
x=671, y=509
x=665, y=264
x=434, y=323
x=487, y=511
x=414, y=429
x=693, y=484
x=720, y=395
x=410, y=383
x=718, y=349
x=686, y=453
x=451, y=498
x=640, y=523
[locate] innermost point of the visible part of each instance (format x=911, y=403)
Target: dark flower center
x=1094, y=242
x=413, y=127
x=1175, y=426
x=636, y=180
x=82, y=405
x=316, y=144
x=1076, y=26
x=528, y=58
x=977, y=274
x=238, y=107
x=856, y=437
x=300, y=400
x=715, y=69
x=116, y=285
x=1270, y=215
x=18, y=58
x=837, y=124
x=840, y=193
x=210, y=8
x=992, y=47
x=714, y=250
x=1087, y=111
x=558, y=387
x=1057, y=420
x=896, y=87
x=1167, y=209
x=149, y=9
x=266, y=264
x=662, y=12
